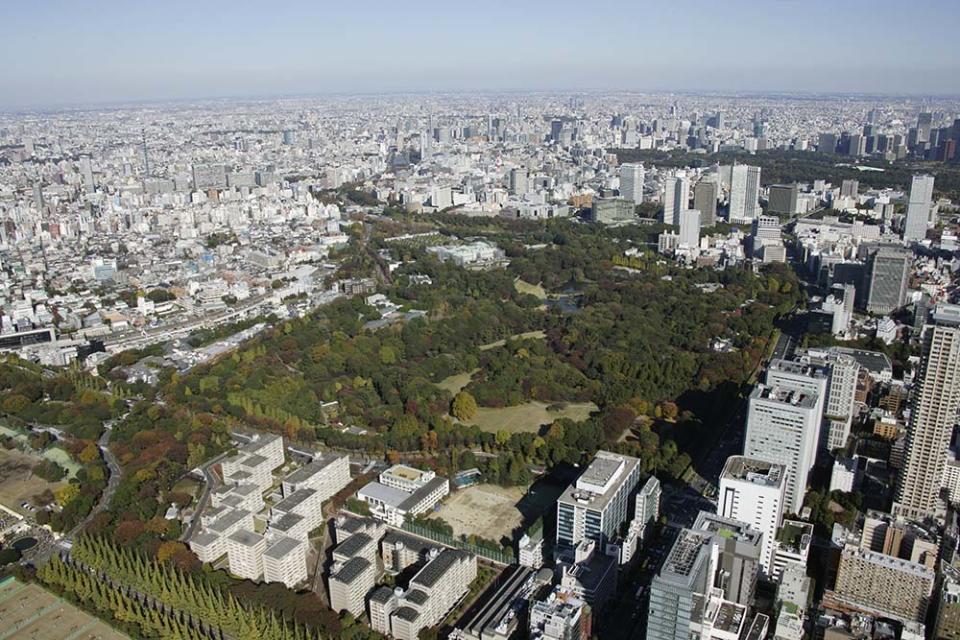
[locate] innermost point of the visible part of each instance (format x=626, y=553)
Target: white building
x=752, y=491
x=919, y=208
x=782, y=427
x=245, y=554
x=744, y=194
x=689, y=228
x=285, y=560
x=326, y=474
x=631, y=182
x=403, y=491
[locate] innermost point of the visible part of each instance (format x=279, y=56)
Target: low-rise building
x=403, y=491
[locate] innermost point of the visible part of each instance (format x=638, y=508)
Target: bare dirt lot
x=485, y=510
x=17, y=482
x=29, y=611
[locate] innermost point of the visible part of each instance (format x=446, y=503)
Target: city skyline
x=180, y=52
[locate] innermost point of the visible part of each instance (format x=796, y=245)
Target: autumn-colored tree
x=89, y=454
x=169, y=549
x=464, y=406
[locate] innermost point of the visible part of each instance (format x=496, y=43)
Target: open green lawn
x=529, y=416
x=532, y=289
x=454, y=384
x=62, y=458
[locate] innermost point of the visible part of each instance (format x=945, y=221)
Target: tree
x=464, y=406
x=67, y=494
x=15, y=403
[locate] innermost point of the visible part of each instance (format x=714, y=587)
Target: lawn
x=530, y=416
x=536, y=290
x=454, y=384
x=17, y=482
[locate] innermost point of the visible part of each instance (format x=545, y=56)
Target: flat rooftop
x=759, y=472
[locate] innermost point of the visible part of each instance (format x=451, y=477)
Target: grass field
x=17, y=482
x=455, y=383
x=534, y=335
x=530, y=416
x=30, y=612
x=62, y=458
x=485, y=510
x=532, y=289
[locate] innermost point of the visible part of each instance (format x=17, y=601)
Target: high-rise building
x=933, y=415
x=889, y=272
x=518, y=181
x=705, y=200
x=782, y=427
x=744, y=194
x=919, y=206
x=689, y=228
x=827, y=143
x=561, y=616
x=86, y=172
x=924, y=124
x=632, y=176
x=594, y=507
x=783, y=199
x=676, y=197
x=883, y=584
x=849, y=188
x=807, y=376
x=752, y=491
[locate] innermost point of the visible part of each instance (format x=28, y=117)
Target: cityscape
x=520, y=353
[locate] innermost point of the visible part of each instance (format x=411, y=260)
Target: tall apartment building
x=354, y=572
x=594, y=507
x=285, y=560
x=245, y=554
x=432, y=592
x=888, y=275
x=883, y=585
x=326, y=474
x=705, y=195
x=632, y=176
x=933, y=415
x=752, y=491
x=919, y=207
x=254, y=462
x=782, y=427
x=744, y=194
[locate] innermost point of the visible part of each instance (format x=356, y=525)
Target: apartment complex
x=883, y=585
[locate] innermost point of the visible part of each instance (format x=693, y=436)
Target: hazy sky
x=67, y=52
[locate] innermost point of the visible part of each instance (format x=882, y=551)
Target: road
x=210, y=482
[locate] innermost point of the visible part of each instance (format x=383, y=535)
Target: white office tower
x=689, y=228
x=805, y=376
x=744, y=194
x=596, y=505
x=631, y=182
x=752, y=491
x=933, y=415
x=676, y=196
x=782, y=427
x=86, y=172
x=919, y=207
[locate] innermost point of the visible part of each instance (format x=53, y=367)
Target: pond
x=23, y=544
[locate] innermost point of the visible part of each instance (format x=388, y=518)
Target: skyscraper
x=783, y=199
x=752, y=491
x=782, y=427
x=86, y=173
x=889, y=272
x=631, y=182
x=744, y=194
x=690, y=228
x=918, y=208
x=705, y=200
x=676, y=197
x=933, y=415
x=518, y=181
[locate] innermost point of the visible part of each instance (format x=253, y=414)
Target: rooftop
x=281, y=547
x=754, y=471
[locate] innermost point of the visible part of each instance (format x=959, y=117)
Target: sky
x=64, y=52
